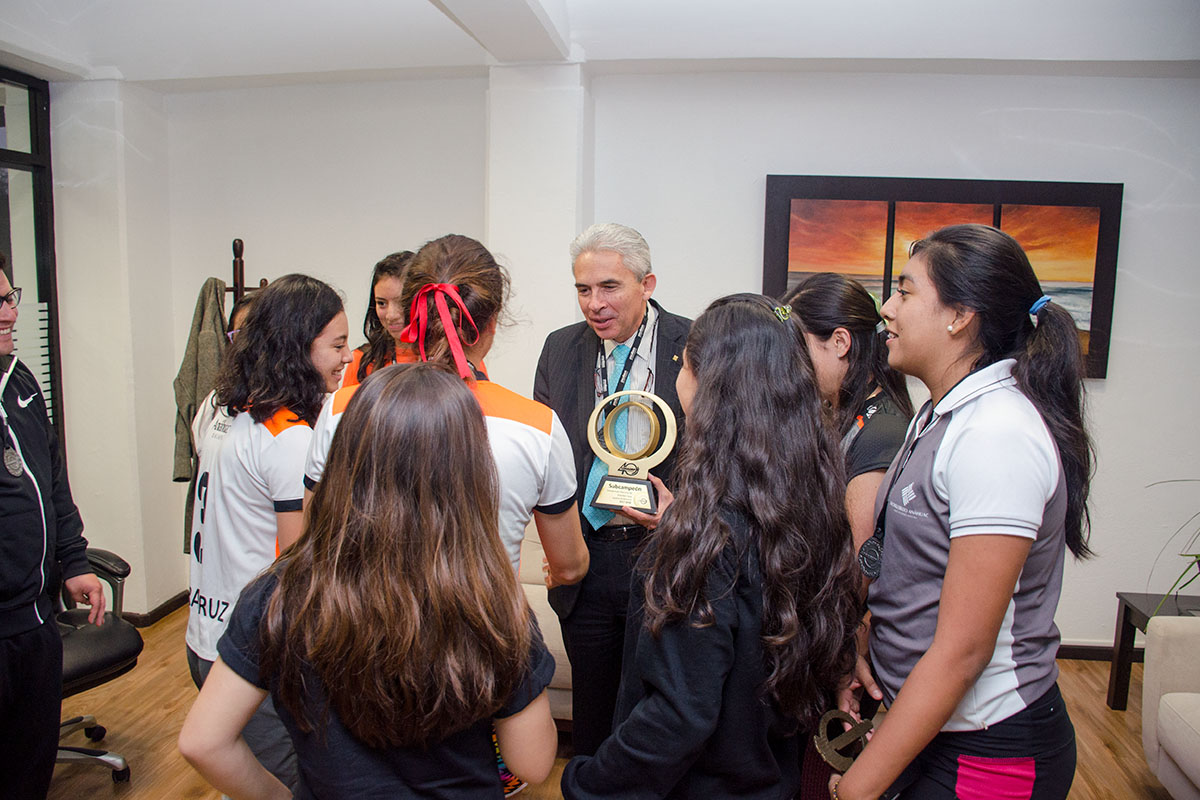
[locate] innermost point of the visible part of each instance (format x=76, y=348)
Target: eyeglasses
x=13, y=298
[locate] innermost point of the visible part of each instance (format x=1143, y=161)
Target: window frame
x=37, y=163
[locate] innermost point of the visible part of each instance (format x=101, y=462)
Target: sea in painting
x=1075, y=297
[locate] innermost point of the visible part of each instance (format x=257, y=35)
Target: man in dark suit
x=627, y=341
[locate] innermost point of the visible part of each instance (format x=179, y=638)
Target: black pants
x=1029, y=756
x=30, y=708
x=594, y=636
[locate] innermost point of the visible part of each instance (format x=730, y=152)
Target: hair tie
x=1039, y=304
x=783, y=312
x=418, y=316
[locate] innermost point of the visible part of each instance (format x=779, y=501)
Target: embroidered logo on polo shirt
x=907, y=494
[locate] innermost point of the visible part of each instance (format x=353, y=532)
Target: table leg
x=1122, y=659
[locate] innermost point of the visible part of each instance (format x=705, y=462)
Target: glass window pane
x=14, y=117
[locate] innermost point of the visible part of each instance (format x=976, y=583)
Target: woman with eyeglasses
x=287, y=356
x=978, y=511
x=394, y=635
x=40, y=532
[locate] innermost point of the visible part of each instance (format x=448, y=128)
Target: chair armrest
x=1172, y=665
x=107, y=562
x=113, y=570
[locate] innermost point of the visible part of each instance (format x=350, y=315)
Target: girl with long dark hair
x=384, y=321
x=741, y=624
x=867, y=400
x=394, y=633
x=289, y=353
x=979, y=510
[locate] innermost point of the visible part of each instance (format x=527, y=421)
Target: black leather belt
x=617, y=533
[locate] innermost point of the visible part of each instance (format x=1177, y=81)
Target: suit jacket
x=565, y=381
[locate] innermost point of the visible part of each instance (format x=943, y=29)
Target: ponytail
x=826, y=301
x=1050, y=372
x=460, y=274
x=984, y=269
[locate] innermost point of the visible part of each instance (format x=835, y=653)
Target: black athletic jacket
x=39, y=523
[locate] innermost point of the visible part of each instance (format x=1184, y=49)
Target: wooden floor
x=144, y=709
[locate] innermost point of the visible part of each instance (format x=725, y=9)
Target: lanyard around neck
x=624, y=376
x=870, y=555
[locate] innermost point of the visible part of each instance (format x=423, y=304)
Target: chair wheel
x=121, y=775
x=95, y=732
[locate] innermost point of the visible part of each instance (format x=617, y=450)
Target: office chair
x=93, y=655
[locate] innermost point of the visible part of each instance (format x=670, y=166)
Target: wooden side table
x=1133, y=614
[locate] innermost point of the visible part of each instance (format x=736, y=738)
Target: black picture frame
x=1102, y=200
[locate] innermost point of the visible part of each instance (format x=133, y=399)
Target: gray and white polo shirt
x=981, y=462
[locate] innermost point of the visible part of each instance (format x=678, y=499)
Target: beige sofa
x=1171, y=704
x=535, y=592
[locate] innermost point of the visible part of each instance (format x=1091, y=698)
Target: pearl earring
x=950, y=328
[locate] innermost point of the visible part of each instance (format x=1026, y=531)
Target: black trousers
x=1029, y=756
x=594, y=636
x=30, y=705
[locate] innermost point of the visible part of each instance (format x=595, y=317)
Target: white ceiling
x=184, y=42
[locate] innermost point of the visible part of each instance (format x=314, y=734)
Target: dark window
x=27, y=227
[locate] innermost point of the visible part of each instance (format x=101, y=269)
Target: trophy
x=626, y=483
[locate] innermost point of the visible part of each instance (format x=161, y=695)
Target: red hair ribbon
x=418, y=316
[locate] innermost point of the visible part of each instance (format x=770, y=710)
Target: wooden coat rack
x=239, y=273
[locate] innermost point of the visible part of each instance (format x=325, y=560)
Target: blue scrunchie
x=1039, y=305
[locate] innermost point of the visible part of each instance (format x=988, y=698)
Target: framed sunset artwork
x=863, y=227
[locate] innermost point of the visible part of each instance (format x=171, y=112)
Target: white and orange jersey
x=533, y=456
x=249, y=471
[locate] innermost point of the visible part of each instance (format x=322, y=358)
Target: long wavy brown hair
x=756, y=444
x=269, y=365
x=399, y=595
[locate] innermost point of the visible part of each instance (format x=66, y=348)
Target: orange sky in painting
x=850, y=236
x=1059, y=240
x=917, y=220
x=837, y=236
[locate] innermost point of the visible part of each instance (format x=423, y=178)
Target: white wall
x=111, y=215
x=323, y=179
x=149, y=191
x=683, y=158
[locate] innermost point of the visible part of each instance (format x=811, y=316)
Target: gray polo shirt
x=982, y=463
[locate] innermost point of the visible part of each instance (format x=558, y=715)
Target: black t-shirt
x=334, y=764
x=691, y=721
x=879, y=439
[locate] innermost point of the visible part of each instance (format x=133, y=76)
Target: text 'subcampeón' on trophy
x=626, y=483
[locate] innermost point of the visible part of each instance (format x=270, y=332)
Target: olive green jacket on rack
x=197, y=373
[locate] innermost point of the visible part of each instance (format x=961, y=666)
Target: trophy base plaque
x=614, y=493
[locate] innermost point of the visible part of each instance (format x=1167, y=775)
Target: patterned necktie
x=599, y=517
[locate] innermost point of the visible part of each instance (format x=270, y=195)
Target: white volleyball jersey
x=529, y=444
x=248, y=472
